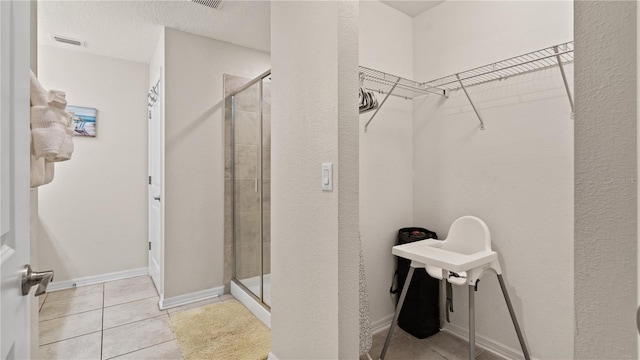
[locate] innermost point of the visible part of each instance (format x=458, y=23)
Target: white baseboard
x=485, y=343
x=167, y=303
x=250, y=303
x=271, y=356
x=382, y=324
x=96, y=279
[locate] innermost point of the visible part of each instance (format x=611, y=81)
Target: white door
x=14, y=177
x=155, y=185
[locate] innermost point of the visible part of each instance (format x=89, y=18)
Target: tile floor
x=121, y=320
x=441, y=346
x=114, y=320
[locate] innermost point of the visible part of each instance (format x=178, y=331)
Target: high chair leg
x=513, y=317
x=472, y=323
x=394, y=322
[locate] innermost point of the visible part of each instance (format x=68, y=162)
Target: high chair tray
x=430, y=252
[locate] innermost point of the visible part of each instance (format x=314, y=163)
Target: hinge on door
x=149, y=180
x=149, y=114
x=149, y=245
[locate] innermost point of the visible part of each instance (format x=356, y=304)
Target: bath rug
x=224, y=331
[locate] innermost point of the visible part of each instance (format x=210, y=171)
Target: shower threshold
x=245, y=294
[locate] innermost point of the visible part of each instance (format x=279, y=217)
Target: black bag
x=420, y=315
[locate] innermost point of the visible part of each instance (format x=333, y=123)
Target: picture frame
x=84, y=120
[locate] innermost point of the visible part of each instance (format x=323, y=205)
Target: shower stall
x=248, y=191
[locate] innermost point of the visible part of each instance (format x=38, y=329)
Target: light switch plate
x=327, y=176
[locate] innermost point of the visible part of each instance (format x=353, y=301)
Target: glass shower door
x=248, y=184
x=266, y=190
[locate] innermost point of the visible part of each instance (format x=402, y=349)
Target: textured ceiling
x=130, y=29
x=412, y=8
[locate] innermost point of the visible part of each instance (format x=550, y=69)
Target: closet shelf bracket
x=473, y=105
x=382, y=103
x=564, y=79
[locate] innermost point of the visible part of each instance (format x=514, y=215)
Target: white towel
x=47, y=131
x=57, y=98
x=37, y=171
x=66, y=149
x=41, y=171
x=39, y=96
x=49, y=169
x=51, y=132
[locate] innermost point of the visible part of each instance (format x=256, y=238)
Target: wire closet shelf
x=534, y=61
x=381, y=82
x=385, y=83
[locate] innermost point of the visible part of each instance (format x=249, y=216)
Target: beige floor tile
x=85, y=347
x=405, y=346
x=41, y=300
x=70, y=326
x=121, y=293
x=193, y=305
x=128, y=282
x=488, y=355
x=74, y=305
x=130, y=312
x=164, y=351
x=79, y=291
x=135, y=336
x=226, y=297
x=402, y=348
x=447, y=345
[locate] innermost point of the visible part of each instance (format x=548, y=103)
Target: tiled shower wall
x=248, y=197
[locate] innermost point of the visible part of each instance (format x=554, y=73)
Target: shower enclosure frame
x=259, y=79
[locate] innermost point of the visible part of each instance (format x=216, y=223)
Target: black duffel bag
x=420, y=315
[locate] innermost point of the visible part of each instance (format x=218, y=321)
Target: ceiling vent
x=66, y=40
x=214, y=4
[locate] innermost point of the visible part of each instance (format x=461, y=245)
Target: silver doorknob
x=156, y=198
x=31, y=278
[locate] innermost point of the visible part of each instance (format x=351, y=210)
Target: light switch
x=327, y=176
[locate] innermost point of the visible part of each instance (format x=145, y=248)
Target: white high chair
x=466, y=252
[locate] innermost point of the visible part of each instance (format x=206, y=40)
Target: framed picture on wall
x=84, y=120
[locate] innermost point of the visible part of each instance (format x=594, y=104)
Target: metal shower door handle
x=31, y=278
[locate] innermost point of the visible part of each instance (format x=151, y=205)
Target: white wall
x=314, y=245
x=386, y=153
x=94, y=213
x=194, y=156
x=517, y=175
x=606, y=232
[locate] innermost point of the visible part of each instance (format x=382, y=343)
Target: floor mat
x=224, y=331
